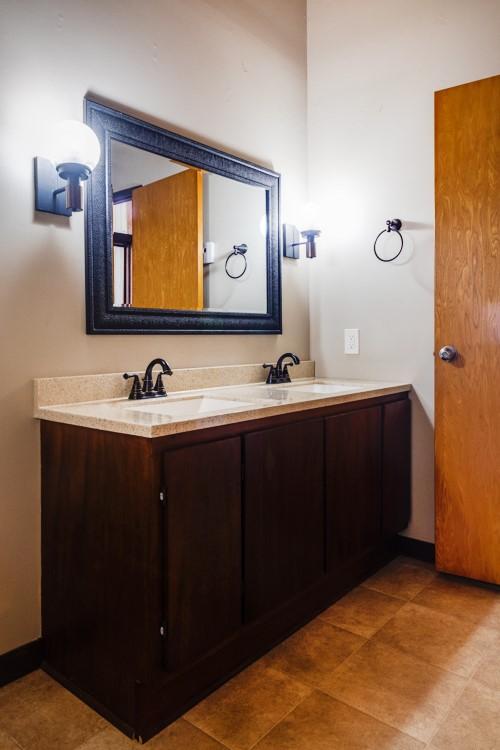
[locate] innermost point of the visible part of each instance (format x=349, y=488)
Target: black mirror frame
x=102, y=316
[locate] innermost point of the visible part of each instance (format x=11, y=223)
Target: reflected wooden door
x=167, y=251
x=468, y=318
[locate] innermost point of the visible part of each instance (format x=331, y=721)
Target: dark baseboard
x=20, y=661
x=425, y=551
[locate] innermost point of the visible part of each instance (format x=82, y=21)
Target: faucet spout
x=147, y=385
x=166, y=369
x=279, y=373
x=147, y=390
x=287, y=355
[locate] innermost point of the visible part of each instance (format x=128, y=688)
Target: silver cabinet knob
x=448, y=353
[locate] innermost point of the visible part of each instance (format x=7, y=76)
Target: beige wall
x=229, y=73
x=372, y=71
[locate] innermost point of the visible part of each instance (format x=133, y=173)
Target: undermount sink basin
x=189, y=407
x=325, y=388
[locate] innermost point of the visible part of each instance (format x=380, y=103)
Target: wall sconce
x=292, y=243
x=76, y=152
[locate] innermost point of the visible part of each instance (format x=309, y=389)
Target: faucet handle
x=136, y=391
x=286, y=374
x=159, y=387
x=271, y=378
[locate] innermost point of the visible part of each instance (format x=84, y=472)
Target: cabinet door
x=203, y=548
x=353, y=484
x=396, y=467
x=284, y=514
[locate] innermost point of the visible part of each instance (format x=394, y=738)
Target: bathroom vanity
x=183, y=542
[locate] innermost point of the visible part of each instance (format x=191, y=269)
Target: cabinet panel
x=353, y=491
x=396, y=472
x=284, y=514
x=203, y=548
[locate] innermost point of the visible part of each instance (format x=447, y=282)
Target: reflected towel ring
x=393, y=225
x=241, y=251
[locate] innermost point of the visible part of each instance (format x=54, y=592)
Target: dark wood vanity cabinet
x=170, y=563
x=201, y=533
x=353, y=490
x=396, y=467
x=283, y=514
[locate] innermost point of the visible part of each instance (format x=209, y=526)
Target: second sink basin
x=325, y=388
x=189, y=407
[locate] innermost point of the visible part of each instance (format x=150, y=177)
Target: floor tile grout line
x=206, y=732
x=356, y=650
x=354, y=708
x=285, y=716
x=374, y=635
x=345, y=629
x=471, y=679
x=399, y=650
x=369, y=637
x=394, y=648
x=372, y=716
x=423, y=661
x=493, y=628
x=421, y=658
x=100, y=731
x=467, y=679
x=378, y=591
x=395, y=596
x=450, y=709
x=282, y=718
x=309, y=687
x=216, y=739
x=64, y=691
x=13, y=740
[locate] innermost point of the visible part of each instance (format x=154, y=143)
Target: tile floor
x=408, y=660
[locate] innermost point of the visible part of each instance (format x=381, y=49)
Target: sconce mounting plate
x=291, y=241
x=50, y=189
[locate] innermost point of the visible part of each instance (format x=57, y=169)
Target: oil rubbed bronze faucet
x=278, y=373
x=147, y=389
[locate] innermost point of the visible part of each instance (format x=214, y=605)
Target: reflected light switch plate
x=208, y=253
x=351, y=340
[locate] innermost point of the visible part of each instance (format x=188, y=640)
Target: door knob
x=448, y=353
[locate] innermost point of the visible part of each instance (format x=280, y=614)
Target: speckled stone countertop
x=193, y=408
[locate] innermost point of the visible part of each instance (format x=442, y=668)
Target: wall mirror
x=181, y=237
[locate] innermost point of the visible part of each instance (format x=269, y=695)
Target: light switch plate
x=351, y=340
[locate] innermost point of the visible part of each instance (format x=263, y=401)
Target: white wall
x=131, y=166
x=233, y=214
x=229, y=73
x=372, y=69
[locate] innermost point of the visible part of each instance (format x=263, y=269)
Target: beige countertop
x=182, y=411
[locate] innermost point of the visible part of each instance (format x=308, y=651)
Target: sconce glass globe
x=75, y=143
x=309, y=216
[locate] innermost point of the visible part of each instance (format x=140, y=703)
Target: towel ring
x=241, y=251
x=393, y=225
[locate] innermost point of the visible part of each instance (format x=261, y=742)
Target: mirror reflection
x=185, y=238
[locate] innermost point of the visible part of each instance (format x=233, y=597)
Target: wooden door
x=284, y=514
x=468, y=318
x=203, y=557
x=353, y=491
x=167, y=249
